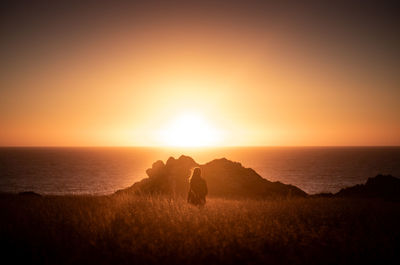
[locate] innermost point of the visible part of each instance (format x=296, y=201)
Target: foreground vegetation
x=137, y=230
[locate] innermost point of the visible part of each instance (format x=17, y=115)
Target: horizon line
x=186, y=147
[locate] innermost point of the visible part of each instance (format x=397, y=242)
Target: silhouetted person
x=198, y=188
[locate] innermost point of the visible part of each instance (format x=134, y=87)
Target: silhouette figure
x=198, y=188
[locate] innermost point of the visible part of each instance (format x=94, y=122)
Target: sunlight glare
x=190, y=130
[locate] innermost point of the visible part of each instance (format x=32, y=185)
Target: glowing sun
x=189, y=130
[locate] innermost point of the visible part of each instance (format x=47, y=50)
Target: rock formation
x=224, y=178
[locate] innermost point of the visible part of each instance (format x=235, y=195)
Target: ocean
x=103, y=170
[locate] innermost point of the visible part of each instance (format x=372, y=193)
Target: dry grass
x=137, y=230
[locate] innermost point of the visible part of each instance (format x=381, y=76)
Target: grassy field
x=137, y=230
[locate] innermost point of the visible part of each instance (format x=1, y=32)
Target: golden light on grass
x=189, y=130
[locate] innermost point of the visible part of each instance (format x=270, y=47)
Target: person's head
x=196, y=173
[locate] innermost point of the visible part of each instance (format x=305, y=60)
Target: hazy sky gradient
x=260, y=73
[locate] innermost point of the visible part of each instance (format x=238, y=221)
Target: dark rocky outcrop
x=30, y=194
x=381, y=186
x=225, y=179
x=231, y=180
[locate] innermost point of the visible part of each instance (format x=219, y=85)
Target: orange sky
x=120, y=79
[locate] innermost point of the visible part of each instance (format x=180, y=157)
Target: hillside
x=380, y=186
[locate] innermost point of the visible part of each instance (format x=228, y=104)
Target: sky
x=124, y=73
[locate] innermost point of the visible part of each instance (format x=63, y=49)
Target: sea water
x=105, y=170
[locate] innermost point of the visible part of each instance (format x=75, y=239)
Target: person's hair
x=196, y=173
